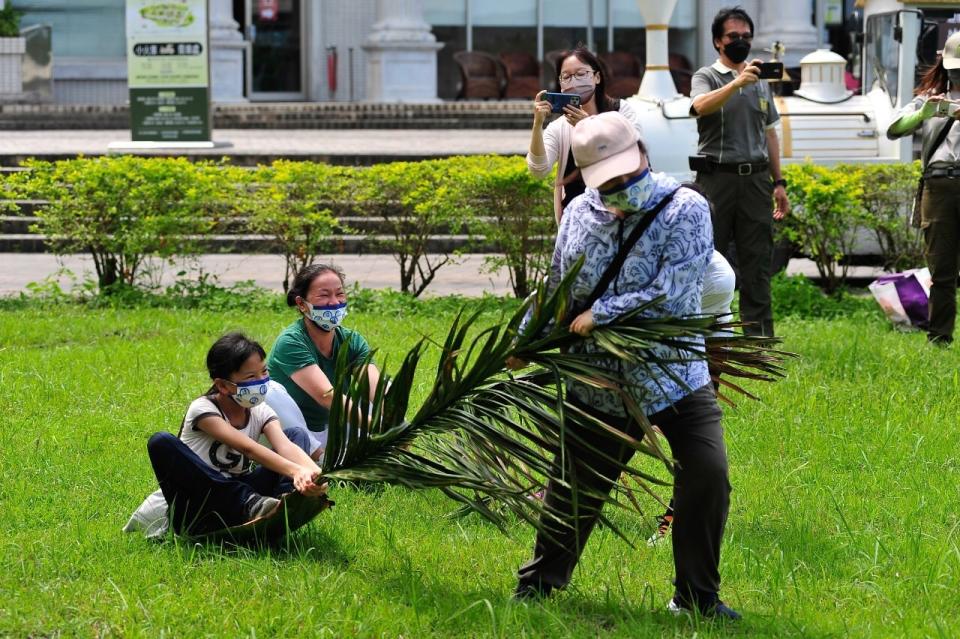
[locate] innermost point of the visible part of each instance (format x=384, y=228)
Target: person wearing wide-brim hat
x=934, y=112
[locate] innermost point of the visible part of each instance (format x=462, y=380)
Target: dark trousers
x=940, y=219
x=202, y=500
x=701, y=499
x=742, y=213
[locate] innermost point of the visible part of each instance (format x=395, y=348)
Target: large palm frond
x=488, y=438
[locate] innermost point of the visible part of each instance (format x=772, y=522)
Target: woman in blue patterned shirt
x=667, y=261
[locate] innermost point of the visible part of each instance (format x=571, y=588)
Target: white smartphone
x=947, y=108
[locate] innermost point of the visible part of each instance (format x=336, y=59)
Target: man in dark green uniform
x=736, y=119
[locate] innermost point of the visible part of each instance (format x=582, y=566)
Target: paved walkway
x=271, y=142
x=370, y=271
x=466, y=277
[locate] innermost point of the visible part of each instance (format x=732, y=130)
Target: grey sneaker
x=259, y=506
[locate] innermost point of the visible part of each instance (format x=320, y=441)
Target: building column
x=401, y=54
x=790, y=23
x=657, y=81
x=227, y=48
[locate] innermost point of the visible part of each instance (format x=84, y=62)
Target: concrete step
x=253, y=243
x=366, y=235
x=24, y=214
x=508, y=114
x=13, y=160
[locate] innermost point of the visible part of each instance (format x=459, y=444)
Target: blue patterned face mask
x=631, y=196
x=251, y=393
x=328, y=317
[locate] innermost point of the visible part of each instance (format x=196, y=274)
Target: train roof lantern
x=821, y=77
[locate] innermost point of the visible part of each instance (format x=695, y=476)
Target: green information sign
x=168, y=70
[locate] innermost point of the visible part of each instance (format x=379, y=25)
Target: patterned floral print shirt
x=669, y=259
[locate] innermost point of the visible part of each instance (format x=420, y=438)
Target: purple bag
x=904, y=297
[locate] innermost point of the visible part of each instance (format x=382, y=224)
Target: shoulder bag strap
x=936, y=143
x=614, y=268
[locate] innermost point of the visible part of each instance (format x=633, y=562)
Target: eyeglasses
x=733, y=35
x=579, y=75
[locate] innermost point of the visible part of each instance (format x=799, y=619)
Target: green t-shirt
x=294, y=350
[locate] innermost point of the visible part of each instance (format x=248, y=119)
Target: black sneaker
x=716, y=610
x=531, y=592
x=943, y=341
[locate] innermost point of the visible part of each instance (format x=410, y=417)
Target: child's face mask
x=251, y=393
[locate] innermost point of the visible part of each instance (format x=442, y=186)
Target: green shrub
x=203, y=291
x=291, y=202
x=9, y=20
x=826, y=214
x=797, y=296
x=394, y=304
x=414, y=200
x=514, y=212
x=122, y=209
x=888, y=192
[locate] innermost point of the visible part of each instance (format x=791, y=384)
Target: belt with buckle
x=945, y=172
x=743, y=168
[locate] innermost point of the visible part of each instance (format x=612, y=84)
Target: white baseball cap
x=951, y=51
x=604, y=146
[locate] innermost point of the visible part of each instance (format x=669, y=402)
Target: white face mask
x=251, y=393
x=632, y=196
x=327, y=317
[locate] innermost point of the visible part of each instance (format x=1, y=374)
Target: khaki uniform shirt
x=737, y=132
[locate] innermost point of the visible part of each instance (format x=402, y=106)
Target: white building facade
x=384, y=50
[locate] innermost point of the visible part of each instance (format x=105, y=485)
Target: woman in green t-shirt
x=303, y=360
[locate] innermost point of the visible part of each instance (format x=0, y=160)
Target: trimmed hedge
x=835, y=207
x=123, y=209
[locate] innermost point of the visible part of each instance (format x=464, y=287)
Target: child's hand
x=303, y=481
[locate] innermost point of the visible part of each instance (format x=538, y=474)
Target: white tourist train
x=823, y=121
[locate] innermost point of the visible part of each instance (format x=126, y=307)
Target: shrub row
x=122, y=209
x=835, y=208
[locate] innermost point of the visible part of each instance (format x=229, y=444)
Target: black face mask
x=737, y=51
x=954, y=76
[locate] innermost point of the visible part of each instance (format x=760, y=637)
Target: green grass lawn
x=843, y=522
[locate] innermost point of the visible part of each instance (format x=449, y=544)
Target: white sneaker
x=676, y=609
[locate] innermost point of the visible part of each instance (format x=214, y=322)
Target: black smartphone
x=559, y=100
x=771, y=70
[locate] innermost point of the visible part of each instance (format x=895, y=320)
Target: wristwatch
x=780, y=182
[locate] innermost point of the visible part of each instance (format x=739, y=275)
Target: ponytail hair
x=228, y=354
x=934, y=80
x=305, y=276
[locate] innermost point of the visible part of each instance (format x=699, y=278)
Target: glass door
x=275, y=57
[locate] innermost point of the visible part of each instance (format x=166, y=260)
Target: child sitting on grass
x=205, y=471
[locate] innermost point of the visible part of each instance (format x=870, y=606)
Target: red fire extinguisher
x=332, y=69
